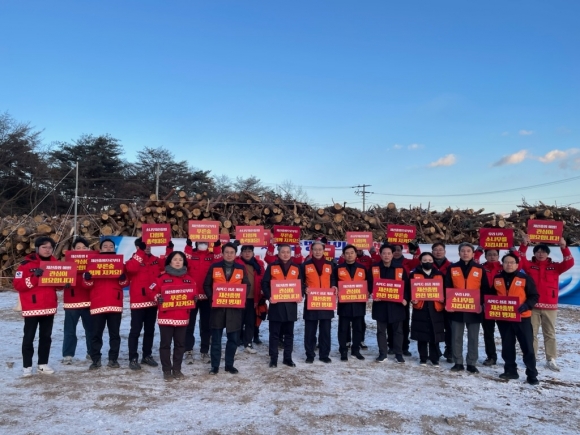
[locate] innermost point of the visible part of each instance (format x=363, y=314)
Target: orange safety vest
x=359, y=275
x=278, y=273
x=439, y=306
x=517, y=288
x=219, y=276
x=376, y=270
x=473, y=281
x=313, y=280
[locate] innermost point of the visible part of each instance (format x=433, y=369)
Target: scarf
x=318, y=264
x=254, y=263
x=175, y=272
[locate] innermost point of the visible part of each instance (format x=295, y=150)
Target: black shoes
x=509, y=376
x=95, y=365
x=532, y=380
x=134, y=364
x=344, y=356
x=231, y=369
x=399, y=358
x=390, y=351
x=289, y=363
x=358, y=356
x=113, y=364
x=381, y=358
x=472, y=369
x=273, y=363
x=407, y=353
x=423, y=362
x=457, y=368
x=178, y=375
x=214, y=370
x=309, y=360
x=326, y=360
x=167, y=376
x=490, y=362
x=257, y=340
x=149, y=361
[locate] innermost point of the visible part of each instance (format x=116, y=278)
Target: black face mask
x=427, y=266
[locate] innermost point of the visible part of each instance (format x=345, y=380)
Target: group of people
x=99, y=304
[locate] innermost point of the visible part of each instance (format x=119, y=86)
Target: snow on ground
x=352, y=397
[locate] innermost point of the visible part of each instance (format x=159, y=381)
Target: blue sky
x=414, y=98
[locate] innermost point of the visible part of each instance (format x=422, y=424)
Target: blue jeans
x=71, y=318
x=216, y=347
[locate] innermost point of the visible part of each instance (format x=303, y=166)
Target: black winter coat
x=281, y=311
x=389, y=312
x=427, y=324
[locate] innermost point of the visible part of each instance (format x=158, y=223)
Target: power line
x=362, y=192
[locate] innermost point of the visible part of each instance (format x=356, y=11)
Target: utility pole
x=157, y=182
x=362, y=192
x=76, y=201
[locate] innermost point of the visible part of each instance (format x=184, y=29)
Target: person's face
x=148, y=250
x=350, y=255
x=439, y=252
x=387, y=255
x=81, y=247
x=427, y=259
x=318, y=251
x=541, y=255
x=177, y=262
x=510, y=265
x=229, y=254
x=285, y=253
x=398, y=252
x=492, y=255
x=359, y=253
x=45, y=250
x=108, y=247
x=247, y=254
x=466, y=253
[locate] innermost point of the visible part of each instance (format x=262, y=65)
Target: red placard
x=105, y=266
x=250, y=235
x=156, y=234
x=329, y=252
x=81, y=258
x=178, y=297
x=321, y=299
x=289, y=290
x=388, y=290
x=426, y=289
x=267, y=237
x=225, y=238
x=204, y=231
x=400, y=234
x=229, y=295
x=496, y=238
x=286, y=234
x=504, y=308
x=549, y=232
x=464, y=300
x=360, y=239
x=352, y=291
x=58, y=273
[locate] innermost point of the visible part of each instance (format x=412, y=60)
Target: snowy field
x=341, y=397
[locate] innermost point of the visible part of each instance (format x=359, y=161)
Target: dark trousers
x=44, y=325
x=364, y=331
x=310, y=329
x=248, y=322
x=448, y=334
x=166, y=335
x=345, y=323
x=488, y=327
x=510, y=331
x=143, y=318
x=71, y=319
x=432, y=353
x=396, y=336
x=277, y=330
x=113, y=323
x=405, y=331
x=204, y=308
x=216, y=347
x=256, y=332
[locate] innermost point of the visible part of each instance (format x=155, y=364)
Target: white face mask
x=202, y=246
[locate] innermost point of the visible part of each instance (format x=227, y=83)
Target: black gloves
x=122, y=277
x=170, y=245
x=87, y=276
x=142, y=245
x=218, y=243
x=413, y=247
x=188, y=242
x=324, y=240
x=37, y=272
x=237, y=243
x=160, y=300
x=523, y=307
x=67, y=285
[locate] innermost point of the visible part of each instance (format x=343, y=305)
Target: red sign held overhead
x=286, y=234
x=106, y=266
x=225, y=238
x=496, y=238
x=156, y=234
x=504, y=308
x=204, y=231
x=464, y=300
x=329, y=252
x=176, y=297
x=250, y=235
x=81, y=258
x=549, y=232
x=267, y=237
x=361, y=239
x=427, y=289
x=321, y=299
x=229, y=296
x=58, y=273
x=400, y=234
x=388, y=290
x=352, y=291
x=289, y=290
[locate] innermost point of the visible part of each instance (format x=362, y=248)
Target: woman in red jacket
x=173, y=321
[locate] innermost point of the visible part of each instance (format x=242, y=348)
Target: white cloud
x=550, y=156
x=505, y=133
x=526, y=132
x=415, y=146
x=397, y=146
x=512, y=159
x=448, y=160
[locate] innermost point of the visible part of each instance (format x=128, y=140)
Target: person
x=512, y=282
x=492, y=267
x=318, y=272
x=271, y=256
x=281, y=315
x=466, y=274
x=142, y=269
x=172, y=323
x=225, y=271
x=39, y=305
x=386, y=313
x=546, y=274
x=76, y=303
x=350, y=314
x=441, y=263
x=428, y=322
x=255, y=271
x=106, y=310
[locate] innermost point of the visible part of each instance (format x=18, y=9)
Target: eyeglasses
x=510, y=263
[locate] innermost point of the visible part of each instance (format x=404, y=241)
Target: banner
x=289, y=290
x=321, y=299
x=106, y=266
x=176, y=297
x=250, y=235
x=229, y=295
x=464, y=300
x=204, y=231
x=361, y=239
x=329, y=252
x=58, y=273
x=548, y=232
x=286, y=234
x=426, y=290
x=496, y=238
x=156, y=234
x=504, y=308
x=267, y=237
x=352, y=291
x=388, y=290
x=400, y=234
x=81, y=258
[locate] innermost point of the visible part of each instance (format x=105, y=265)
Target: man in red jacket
x=142, y=268
x=546, y=274
x=38, y=306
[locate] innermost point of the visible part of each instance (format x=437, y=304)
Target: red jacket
x=106, y=294
x=35, y=300
x=257, y=279
x=177, y=317
x=199, y=262
x=546, y=275
x=365, y=260
x=271, y=257
x=78, y=296
x=142, y=271
x=492, y=268
x=443, y=268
